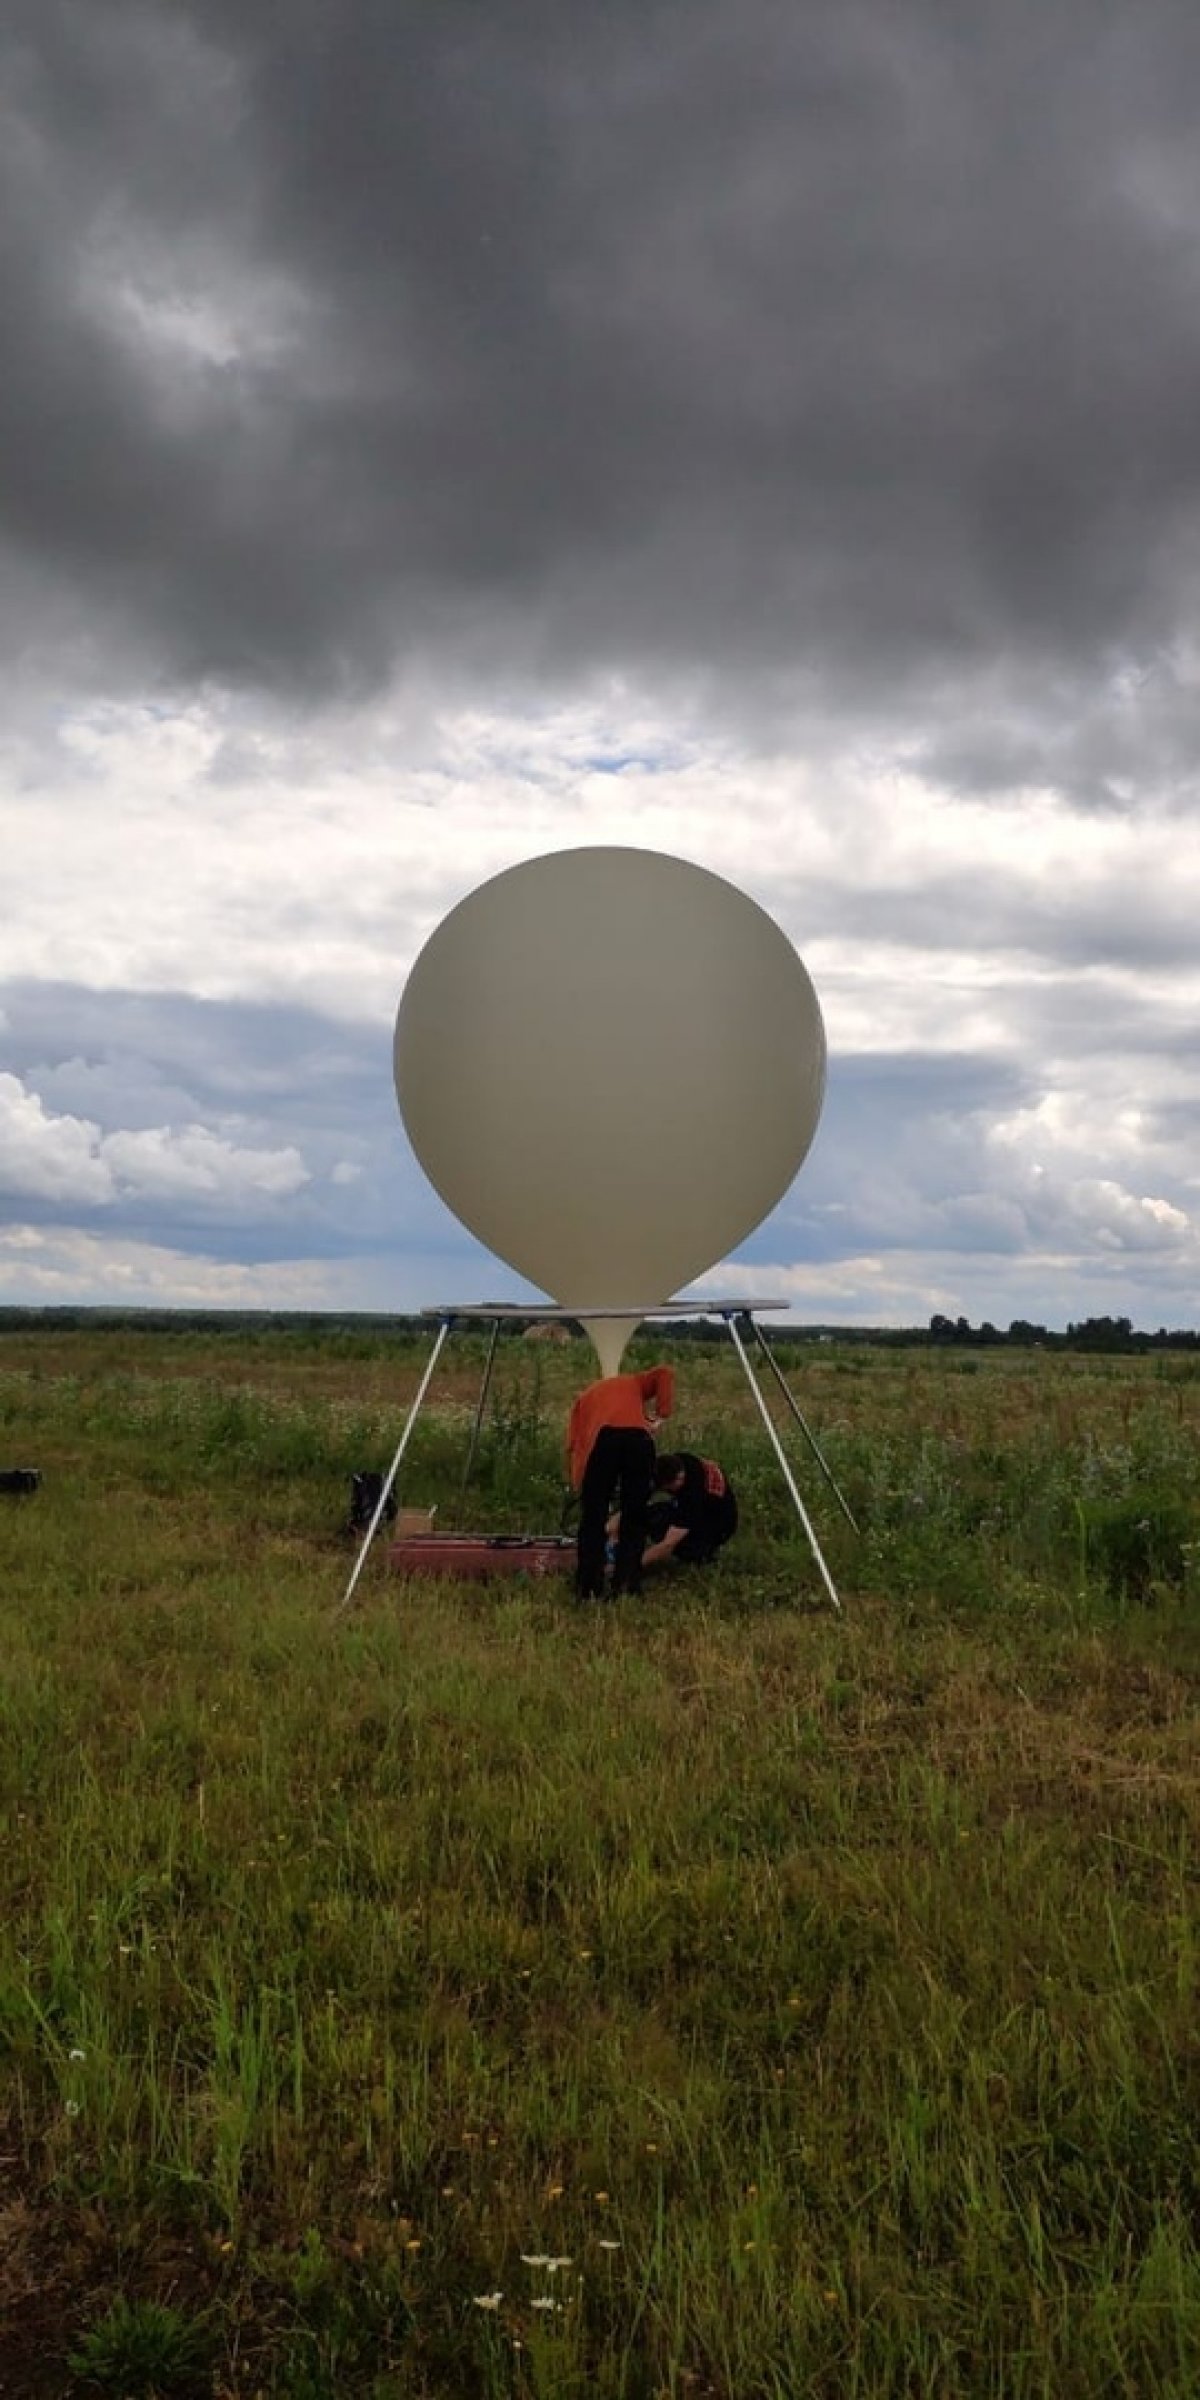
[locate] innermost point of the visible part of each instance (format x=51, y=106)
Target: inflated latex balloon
x=610, y=1064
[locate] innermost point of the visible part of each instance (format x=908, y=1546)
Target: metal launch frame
x=730, y=1313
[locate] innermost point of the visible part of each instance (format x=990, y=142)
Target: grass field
x=709, y=1996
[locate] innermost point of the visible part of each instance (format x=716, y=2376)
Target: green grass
x=823, y=1990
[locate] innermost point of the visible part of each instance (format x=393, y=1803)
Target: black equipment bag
x=364, y=1500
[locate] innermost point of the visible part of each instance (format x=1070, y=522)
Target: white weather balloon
x=610, y=1064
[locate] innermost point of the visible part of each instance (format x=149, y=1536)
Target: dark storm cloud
x=1097, y=744
x=843, y=346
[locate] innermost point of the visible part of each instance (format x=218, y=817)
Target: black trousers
x=619, y=1473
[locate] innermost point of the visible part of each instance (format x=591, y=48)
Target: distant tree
x=1102, y=1333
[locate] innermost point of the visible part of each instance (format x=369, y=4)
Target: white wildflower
x=488, y=2299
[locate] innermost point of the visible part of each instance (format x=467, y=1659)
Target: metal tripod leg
x=805, y=1427
x=401, y=1447
x=477, y=1427
x=784, y=1468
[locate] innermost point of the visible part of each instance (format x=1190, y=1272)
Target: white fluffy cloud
x=56, y=1267
x=69, y=1160
x=49, y=1158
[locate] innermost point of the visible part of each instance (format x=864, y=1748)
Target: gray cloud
x=850, y=349
x=249, y=1131
x=907, y=1159
x=995, y=910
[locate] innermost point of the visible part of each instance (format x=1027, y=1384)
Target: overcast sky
x=762, y=430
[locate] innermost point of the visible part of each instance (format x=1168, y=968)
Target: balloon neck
x=610, y=1338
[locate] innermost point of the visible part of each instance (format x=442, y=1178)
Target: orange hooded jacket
x=616, y=1400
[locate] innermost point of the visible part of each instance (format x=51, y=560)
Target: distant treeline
x=1093, y=1333
x=1116, y=1334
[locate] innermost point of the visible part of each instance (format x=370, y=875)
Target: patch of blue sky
x=647, y=762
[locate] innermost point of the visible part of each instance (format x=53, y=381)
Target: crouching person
x=692, y=1514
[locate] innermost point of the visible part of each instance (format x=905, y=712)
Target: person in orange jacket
x=610, y=1447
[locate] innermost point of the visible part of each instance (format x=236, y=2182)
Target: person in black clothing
x=693, y=1514
x=610, y=1446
